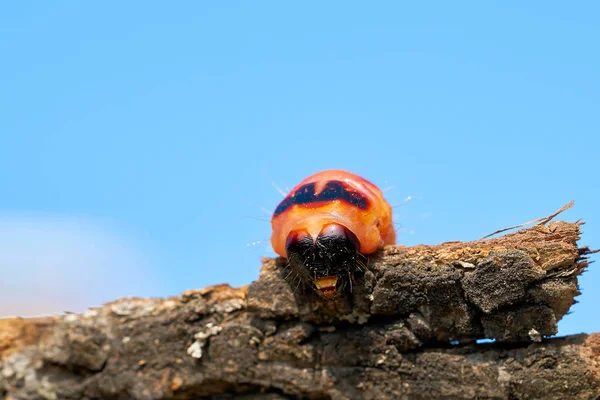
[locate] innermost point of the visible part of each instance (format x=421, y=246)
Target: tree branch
x=406, y=331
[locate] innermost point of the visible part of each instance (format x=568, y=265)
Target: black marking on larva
x=334, y=190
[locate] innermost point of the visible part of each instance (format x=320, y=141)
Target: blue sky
x=139, y=142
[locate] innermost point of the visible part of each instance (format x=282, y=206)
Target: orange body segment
x=335, y=197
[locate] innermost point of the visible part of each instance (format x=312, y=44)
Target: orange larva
x=327, y=223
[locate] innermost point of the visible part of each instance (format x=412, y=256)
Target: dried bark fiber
x=407, y=331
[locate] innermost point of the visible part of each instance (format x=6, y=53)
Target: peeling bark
x=407, y=330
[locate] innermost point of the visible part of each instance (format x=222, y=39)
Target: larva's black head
x=326, y=261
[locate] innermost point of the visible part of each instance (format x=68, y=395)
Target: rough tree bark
x=407, y=331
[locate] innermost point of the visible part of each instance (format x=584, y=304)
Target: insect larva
x=327, y=223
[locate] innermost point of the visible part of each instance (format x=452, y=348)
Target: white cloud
x=51, y=264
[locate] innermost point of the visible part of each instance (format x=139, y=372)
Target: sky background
x=141, y=143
